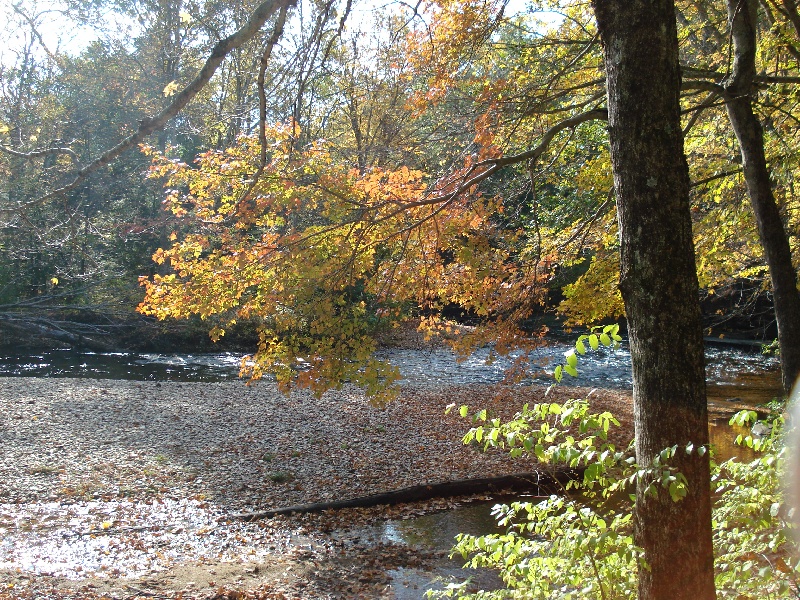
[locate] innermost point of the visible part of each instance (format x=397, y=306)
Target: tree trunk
x=739, y=93
x=659, y=286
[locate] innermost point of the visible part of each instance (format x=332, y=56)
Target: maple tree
x=324, y=256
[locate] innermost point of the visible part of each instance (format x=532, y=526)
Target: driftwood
x=541, y=483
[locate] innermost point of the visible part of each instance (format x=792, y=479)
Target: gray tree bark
x=659, y=286
x=739, y=94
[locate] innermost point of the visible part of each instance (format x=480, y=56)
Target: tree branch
x=700, y=182
x=716, y=76
x=487, y=168
x=40, y=152
x=150, y=125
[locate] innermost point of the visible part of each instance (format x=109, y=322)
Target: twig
x=145, y=593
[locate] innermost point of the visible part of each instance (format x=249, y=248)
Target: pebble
x=204, y=450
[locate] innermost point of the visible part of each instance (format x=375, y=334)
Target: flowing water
x=730, y=370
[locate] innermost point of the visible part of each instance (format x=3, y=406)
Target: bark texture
x=659, y=286
x=739, y=96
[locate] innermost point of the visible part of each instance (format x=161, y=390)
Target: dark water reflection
x=122, y=365
x=731, y=372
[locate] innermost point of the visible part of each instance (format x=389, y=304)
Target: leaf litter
x=122, y=489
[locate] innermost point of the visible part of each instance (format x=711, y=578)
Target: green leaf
x=594, y=342
x=558, y=373
x=571, y=370
x=580, y=347
x=676, y=492
x=464, y=410
x=604, y=339
x=572, y=359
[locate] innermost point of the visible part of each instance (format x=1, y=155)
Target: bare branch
x=696, y=74
x=596, y=114
x=34, y=29
x=38, y=153
x=484, y=169
x=150, y=125
x=698, y=111
x=721, y=175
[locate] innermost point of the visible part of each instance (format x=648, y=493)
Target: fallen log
x=541, y=483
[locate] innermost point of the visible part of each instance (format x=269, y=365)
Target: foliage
x=580, y=544
x=607, y=336
x=752, y=521
x=436, y=91
x=576, y=545
x=324, y=256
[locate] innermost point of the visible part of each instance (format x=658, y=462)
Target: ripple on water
x=602, y=368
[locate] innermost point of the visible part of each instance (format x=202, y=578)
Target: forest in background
x=432, y=96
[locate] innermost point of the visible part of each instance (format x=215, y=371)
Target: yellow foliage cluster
x=322, y=256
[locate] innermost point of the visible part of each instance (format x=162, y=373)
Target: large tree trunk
x=659, y=286
x=739, y=92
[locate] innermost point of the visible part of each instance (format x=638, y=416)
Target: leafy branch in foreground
x=323, y=257
x=581, y=545
x=752, y=521
x=607, y=336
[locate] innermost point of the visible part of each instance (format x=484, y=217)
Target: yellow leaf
x=106, y=524
x=170, y=88
x=54, y=281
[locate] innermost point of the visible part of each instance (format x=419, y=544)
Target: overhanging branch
x=150, y=125
x=40, y=152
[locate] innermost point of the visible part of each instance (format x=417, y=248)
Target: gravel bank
x=108, y=487
x=240, y=447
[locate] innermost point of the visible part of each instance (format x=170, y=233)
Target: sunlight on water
x=602, y=368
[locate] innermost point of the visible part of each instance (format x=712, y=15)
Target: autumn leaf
x=170, y=89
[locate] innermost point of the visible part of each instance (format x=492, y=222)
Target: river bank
x=99, y=475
